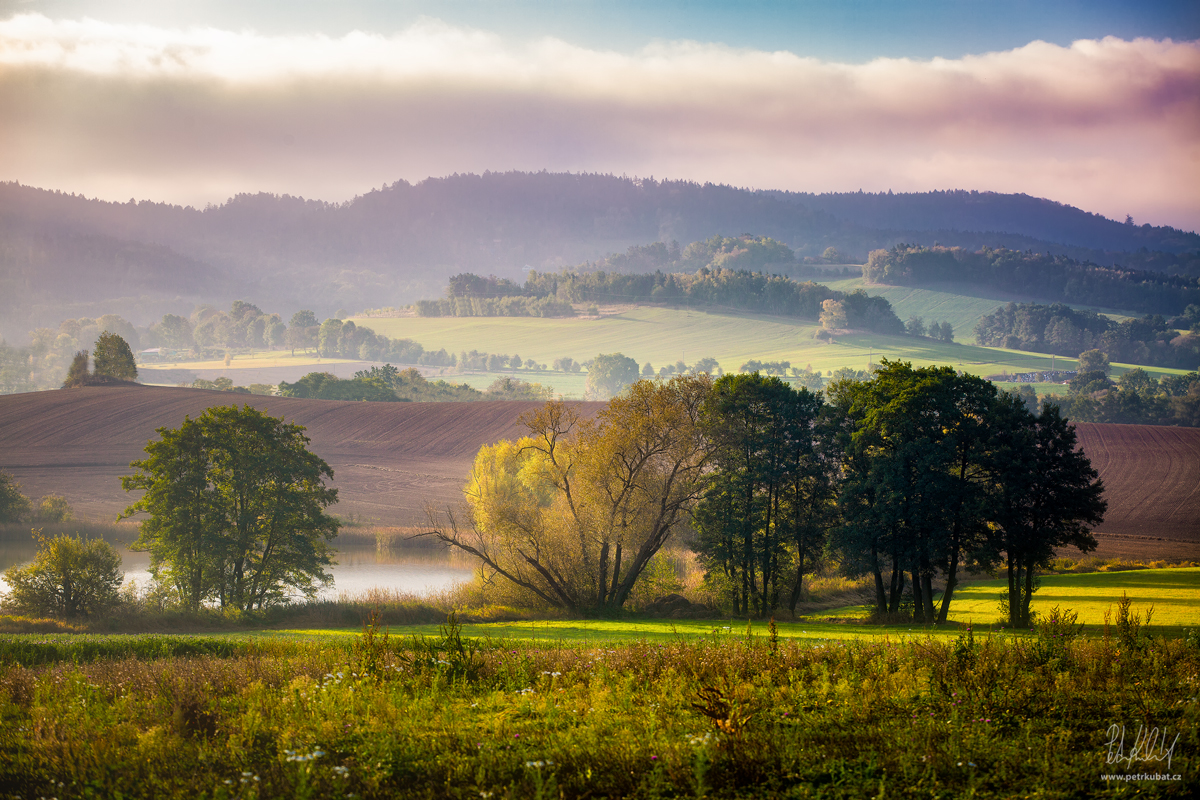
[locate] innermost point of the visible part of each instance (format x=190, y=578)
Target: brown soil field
x=389, y=459
x=1151, y=478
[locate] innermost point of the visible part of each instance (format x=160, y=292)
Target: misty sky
x=1096, y=104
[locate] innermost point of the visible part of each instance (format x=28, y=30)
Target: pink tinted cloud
x=195, y=115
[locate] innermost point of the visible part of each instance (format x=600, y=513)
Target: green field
x=663, y=336
x=962, y=307
x=1174, y=593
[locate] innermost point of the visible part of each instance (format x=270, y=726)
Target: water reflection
x=360, y=567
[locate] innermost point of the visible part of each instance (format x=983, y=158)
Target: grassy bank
x=716, y=717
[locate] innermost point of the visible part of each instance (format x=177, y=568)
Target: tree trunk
x=602, y=583
x=951, y=585
x=1014, y=601
x=918, y=602
x=799, y=587
x=1028, y=598
x=880, y=599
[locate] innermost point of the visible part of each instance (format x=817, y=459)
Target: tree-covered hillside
x=398, y=243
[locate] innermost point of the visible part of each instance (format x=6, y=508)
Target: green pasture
x=1040, y=388
x=1174, y=593
x=599, y=632
x=961, y=306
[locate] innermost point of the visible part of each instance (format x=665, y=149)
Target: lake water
x=359, y=567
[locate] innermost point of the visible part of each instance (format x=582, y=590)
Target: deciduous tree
x=68, y=577
x=236, y=506
x=112, y=358
x=573, y=512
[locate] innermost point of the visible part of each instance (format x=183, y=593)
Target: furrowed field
x=718, y=715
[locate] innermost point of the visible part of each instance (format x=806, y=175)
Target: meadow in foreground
x=724, y=716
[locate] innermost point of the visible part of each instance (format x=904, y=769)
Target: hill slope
x=390, y=458
x=398, y=244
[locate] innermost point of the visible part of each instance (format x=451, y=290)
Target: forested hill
x=397, y=244
x=1019, y=214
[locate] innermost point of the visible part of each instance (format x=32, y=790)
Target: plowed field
x=1151, y=477
x=388, y=459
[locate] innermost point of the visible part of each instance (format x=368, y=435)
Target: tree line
x=911, y=477
x=1134, y=398
x=1050, y=277
x=1059, y=329
x=723, y=279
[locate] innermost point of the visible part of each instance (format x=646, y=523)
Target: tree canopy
x=609, y=375
x=236, y=506
x=113, y=358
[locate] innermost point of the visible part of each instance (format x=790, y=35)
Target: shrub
x=68, y=578
x=53, y=508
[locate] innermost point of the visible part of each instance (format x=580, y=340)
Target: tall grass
x=450, y=717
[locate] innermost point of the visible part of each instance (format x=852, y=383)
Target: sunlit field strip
x=1174, y=593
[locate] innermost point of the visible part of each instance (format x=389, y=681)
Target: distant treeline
x=1135, y=398
x=389, y=384
x=1151, y=340
x=724, y=280
x=1049, y=277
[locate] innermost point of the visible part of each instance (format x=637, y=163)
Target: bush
x=13, y=505
x=53, y=508
x=68, y=578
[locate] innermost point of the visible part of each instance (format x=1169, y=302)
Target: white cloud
x=195, y=115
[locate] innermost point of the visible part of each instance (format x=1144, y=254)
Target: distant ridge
x=392, y=246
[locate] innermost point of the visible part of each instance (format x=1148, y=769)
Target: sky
x=1095, y=104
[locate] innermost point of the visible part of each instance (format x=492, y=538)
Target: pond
x=361, y=566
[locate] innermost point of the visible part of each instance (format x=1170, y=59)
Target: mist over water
x=359, y=567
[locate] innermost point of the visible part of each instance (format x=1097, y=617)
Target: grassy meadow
x=961, y=306
x=665, y=335
x=628, y=707
x=718, y=716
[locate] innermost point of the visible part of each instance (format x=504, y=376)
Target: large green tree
x=915, y=487
x=1047, y=496
x=236, y=506
x=765, y=509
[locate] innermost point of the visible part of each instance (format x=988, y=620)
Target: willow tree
x=573, y=512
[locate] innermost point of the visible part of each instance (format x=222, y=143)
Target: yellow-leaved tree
x=574, y=511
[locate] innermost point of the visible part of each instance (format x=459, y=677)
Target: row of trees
x=717, y=284
x=910, y=477
x=1049, y=277
x=1135, y=397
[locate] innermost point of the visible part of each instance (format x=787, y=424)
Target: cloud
x=195, y=115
